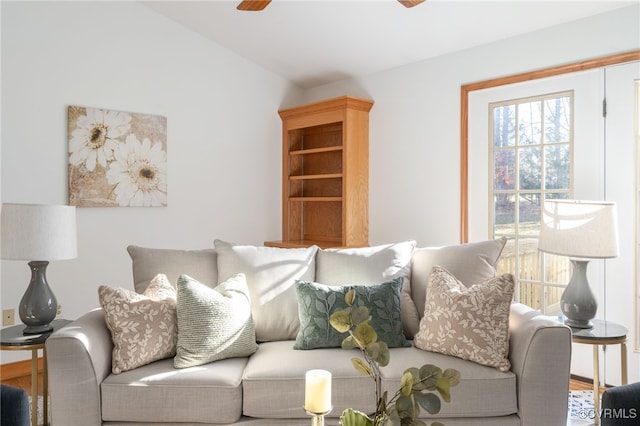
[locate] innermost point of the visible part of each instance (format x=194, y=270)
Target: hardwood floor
x=19, y=380
x=581, y=384
x=24, y=383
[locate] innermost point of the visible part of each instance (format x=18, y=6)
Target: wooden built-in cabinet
x=325, y=179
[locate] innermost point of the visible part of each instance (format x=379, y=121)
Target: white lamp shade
x=581, y=229
x=38, y=232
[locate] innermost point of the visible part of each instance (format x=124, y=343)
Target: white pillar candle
x=317, y=391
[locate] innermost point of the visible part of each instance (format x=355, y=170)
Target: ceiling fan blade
x=410, y=3
x=253, y=5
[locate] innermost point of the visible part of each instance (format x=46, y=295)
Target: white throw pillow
x=213, y=323
x=271, y=273
x=372, y=265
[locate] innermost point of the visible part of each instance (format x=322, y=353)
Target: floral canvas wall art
x=116, y=158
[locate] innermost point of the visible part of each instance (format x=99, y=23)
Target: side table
x=603, y=333
x=12, y=339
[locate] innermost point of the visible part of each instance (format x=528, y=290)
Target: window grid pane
x=557, y=120
x=531, y=162
x=529, y=123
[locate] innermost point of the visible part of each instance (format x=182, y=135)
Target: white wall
x=224, y=133
x=415, y=121
x=415, y=136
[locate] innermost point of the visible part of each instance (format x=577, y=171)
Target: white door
x=621, y=165
x=603, y=168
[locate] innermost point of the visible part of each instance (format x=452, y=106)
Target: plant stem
x=375, y=374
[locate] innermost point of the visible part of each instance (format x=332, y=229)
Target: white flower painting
x=116, y=158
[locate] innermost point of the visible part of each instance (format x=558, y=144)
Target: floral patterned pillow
x=471, y=323
x=143, y=326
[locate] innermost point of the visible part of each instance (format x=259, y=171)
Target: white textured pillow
x=213, y=323
x=470, y=263
x=372, y=265
x=142, y=326
x=271, y=274
x=471, y=323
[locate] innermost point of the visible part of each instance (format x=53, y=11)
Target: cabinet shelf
x=305, y=243
x=320, y=176
x=316, y=150
x=316, y=199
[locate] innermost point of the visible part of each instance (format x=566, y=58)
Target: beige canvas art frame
x=116, y=158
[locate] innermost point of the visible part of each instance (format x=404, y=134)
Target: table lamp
x=581, y=230
x=38, y=234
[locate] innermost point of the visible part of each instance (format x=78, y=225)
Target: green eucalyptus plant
x=421, y=387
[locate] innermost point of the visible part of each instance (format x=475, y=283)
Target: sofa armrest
x=79, y=358
x=540, y=355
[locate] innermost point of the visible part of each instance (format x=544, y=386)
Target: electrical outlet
x=59, y=311
x=8, y=317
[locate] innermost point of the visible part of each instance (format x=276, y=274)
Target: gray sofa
x=267, y=388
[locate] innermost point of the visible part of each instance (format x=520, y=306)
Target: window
x=531, y=142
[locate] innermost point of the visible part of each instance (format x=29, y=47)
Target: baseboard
x=587, y=380
x=14, y=370
x=581, y=379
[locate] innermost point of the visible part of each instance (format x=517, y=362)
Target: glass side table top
x=13, y=336
x=601, y=330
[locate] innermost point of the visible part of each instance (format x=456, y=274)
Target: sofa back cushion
x=372, y=265
x=271, y=273
x=471, y=263
x=148, y=262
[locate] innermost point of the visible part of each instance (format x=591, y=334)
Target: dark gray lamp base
x=38, y=306
x=577, y=302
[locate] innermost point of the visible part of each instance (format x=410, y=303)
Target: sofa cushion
x=213, y=323
x=274, y=378
x=316, y=303
x=148, y=262
x=156, y=392
x=143, y=326
x=271, y=273
x=468, y=322
x=470, y=263
x=372, y=265
x=482, y=391
x=275, y=375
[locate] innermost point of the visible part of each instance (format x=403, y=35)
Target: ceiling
x=314, y=42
